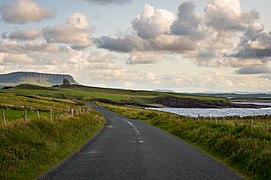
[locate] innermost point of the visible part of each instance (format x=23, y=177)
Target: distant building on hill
x=66, y=82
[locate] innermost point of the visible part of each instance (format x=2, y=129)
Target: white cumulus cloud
x=152, y=22
x=75, y=32
x=24, y=11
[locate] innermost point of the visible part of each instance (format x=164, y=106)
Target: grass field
x=27, y=149
x=246, y=149
x=14, y=105
x=26, y=146
x=84, y=93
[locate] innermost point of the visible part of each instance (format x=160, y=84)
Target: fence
x=53, y=114
x=263, y=122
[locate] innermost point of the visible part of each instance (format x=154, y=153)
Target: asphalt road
x=130, y=149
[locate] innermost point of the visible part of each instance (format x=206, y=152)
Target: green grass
x=246, y=149
x=84, y=93
x=17, y=101
x=17, y=115
x=29, y=149
x=14, y=106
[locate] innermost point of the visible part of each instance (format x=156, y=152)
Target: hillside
x=41, y=79
x=127, y=97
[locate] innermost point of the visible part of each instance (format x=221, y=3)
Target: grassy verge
x=27, y=150
x=246, y=149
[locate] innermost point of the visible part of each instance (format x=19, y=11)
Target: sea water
x=211, y=112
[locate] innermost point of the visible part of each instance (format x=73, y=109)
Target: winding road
x=131, y=149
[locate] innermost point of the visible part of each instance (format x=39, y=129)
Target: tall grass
x=246, y=149
x=29, y=149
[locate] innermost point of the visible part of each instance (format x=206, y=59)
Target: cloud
x=10, y=46
x=105, y=2
x=224, y=15
x=254, y=45
x=254, y=70
x=266, y=77
x=30, y=34
x=131, y=43
x=151, y=33
x=152, y=22
x=146, y=57
x=89, y=67
x=15, y=60
x=75, y=32
x=214, y=81
x=14, y=47
x=226, y=22
x=24, y=11
x=189, y=22
x=121, y=43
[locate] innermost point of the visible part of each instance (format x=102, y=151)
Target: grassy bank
x=29, y=149
x=246, y=149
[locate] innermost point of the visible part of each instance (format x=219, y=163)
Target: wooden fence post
x=72, y=112
x=25, y=115
x=4, y=118
x=51, y=114
x=251, y=123
x=38, y=114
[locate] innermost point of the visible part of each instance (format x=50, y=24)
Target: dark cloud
x=126, y=43
x=104, y=2
x=131, y=43
x=248, y=52
x=254, y=70
x=188, y=22
x=254, y=45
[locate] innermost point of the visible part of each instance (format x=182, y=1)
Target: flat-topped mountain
x=41, y=79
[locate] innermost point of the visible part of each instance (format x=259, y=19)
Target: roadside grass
x=246, y=149
x=29, y=149
x=262, y=122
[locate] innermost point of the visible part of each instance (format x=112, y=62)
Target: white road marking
x=90, y=153
x=140, y=140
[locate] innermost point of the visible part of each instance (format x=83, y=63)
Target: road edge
x=58, y=166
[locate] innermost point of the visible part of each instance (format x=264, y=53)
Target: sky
x=185, y=46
